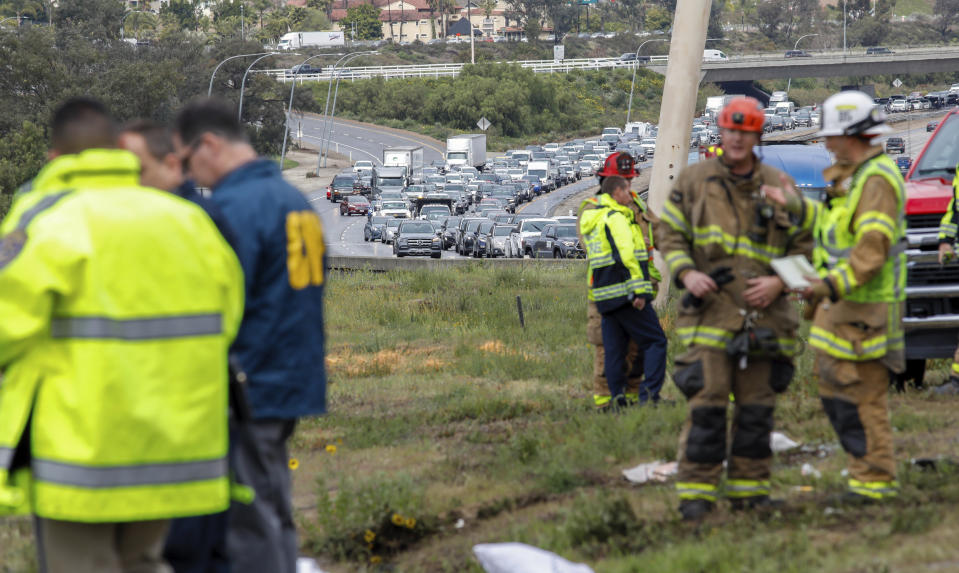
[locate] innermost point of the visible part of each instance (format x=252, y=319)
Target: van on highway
x=714, y=56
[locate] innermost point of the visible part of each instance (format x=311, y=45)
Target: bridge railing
x=564, y=66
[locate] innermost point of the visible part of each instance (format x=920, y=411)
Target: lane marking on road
x=392, y=134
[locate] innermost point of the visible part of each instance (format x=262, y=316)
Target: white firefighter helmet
x=852, y=113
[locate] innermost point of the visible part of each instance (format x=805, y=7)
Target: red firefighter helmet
x=619, y=163
x=743, y=114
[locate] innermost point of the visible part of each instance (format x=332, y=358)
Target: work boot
x=695, y=509
x=755, y=502
x=615, y=406
x=950, y=388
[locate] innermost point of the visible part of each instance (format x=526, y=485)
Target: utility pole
x=679, y=99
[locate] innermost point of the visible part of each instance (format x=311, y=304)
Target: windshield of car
x=394, y=205
x=472, y=226
x=939, y=158
x=393, y=222
x=390, y=181
x=416, y=227
x=566, y=231
x=454, y=188
x=358, y=200
x=456, y=155
x=537, y=172
x=501, y=231
x=378, y=220
x=533, y=226
x=342, y=181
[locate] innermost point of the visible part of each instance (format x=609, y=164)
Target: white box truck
x=408, y=156
x=297, y=40
x=468, y=150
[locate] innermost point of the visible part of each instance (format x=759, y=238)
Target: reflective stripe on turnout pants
x=853, y=395
x=707, y=376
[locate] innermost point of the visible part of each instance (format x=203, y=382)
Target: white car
x=524, y=231
x=362, y=166
x=898, y=105
x=649, y=145
x=395, y=209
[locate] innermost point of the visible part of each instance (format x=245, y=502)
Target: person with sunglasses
x=621, y=291
x=718, y=237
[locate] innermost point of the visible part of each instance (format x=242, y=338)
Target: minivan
x=714, y=56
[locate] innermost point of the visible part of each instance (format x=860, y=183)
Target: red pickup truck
x=931, y=319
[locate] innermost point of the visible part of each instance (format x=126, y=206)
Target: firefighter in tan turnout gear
x=860, y=256
x=643, y=221
x=718, y=235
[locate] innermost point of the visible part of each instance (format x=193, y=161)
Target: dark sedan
x=558, y=242
x=374, y=228
x=448, y=231
x=354, y=205
x=483, y=239
x=931, y=126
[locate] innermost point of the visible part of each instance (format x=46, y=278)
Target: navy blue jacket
x=280, y=344
x=188, y=191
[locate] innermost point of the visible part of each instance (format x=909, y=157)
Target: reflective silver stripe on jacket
x=137, y=328
x=127, y=476
x=6, y=458
x=13, y=242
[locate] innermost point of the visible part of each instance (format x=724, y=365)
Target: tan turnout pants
x=854, y=397
x=131, y=547
x=707, y=376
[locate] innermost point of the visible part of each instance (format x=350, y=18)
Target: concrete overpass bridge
x=827, y=64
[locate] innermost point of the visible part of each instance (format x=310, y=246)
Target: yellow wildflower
x=294, y=463
x=398, y=520
x=369, y=536
x=411, y=522
x=376, y=559
x=331, y=448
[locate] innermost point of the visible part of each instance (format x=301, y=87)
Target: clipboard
x=795, y=271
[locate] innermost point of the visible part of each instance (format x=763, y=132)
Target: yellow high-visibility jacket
x=118, y=306
x=618, y=258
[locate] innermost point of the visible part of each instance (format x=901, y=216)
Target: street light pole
x=289, y=109
x=629, y=109
x=843, y=29
x=336, y=91
x=209, y=92
x=796, y=47
x=239, y=115
x=326, y=107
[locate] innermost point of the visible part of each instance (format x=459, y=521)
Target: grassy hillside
x=451, y=425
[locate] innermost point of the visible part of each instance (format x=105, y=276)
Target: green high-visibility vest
x=836, y=238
